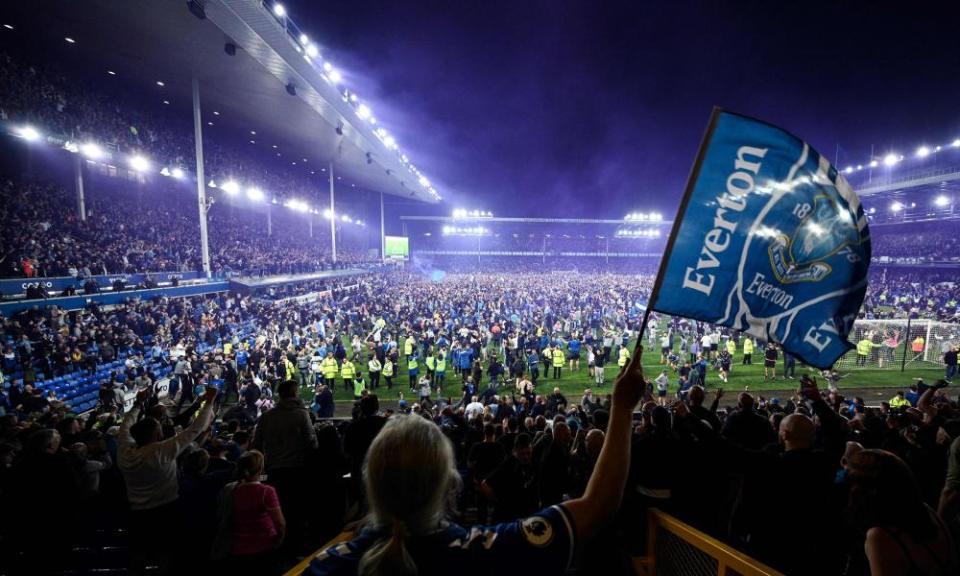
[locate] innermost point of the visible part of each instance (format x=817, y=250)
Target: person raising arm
x=410, y=475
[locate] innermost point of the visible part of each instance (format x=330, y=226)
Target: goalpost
x=895, y=343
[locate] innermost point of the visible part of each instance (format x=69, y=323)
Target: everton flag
x=769, y=239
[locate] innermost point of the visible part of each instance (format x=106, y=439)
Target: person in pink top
x=258, y=523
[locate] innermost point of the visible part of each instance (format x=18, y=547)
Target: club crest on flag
x=824, y=232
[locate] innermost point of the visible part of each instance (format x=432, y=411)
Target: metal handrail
x=729, y=560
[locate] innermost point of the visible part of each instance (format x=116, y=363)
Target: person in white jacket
x=148, y=463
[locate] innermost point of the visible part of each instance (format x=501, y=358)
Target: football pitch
x=749, y=378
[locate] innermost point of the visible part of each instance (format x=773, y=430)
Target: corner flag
x=769, y=239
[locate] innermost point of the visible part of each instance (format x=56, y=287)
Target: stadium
x=377, y=289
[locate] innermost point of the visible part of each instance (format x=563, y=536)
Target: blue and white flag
x=769, y=239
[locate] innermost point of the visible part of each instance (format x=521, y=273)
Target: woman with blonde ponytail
x=406, y=504
x=411, y=478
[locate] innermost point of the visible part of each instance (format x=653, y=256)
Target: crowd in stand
x=127, y=232
x=897, y=293
x=128, y=229
x=189, y=464
x=918, y=243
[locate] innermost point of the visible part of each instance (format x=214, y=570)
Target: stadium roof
x=156, y=41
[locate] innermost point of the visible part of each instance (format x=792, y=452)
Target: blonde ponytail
x=409, y=474
x=389, y=556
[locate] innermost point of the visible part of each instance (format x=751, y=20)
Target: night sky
x=596, y=108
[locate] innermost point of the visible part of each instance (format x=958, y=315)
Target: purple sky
x=557, y=108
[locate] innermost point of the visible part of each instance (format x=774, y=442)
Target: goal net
x=918, y=342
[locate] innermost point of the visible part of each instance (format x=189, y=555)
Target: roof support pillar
x=383, y=238
x=78, y=177
x=201, y=186
x=333, y=220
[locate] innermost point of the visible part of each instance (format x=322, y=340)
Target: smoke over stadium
x=537, y=288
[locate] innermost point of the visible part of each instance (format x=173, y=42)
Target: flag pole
x=681, y=210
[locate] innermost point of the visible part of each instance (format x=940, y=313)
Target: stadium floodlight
x=178, y=173
x=139, y=163
x=164, y=171
x=334, y=75
x=299, y=206
x=890, y=159
x=423, y=181
x=848, y=169
x=941, y=201
x=304, y=39
x=390, y=142
x=923, y=152
x=873, y=210
x=230, y=187
x=91, y=151
x=956, y=143
x=328, y=214
x=211, y=184
x=874, y=163
x=255, y=194
x=896, y=206
x=69, y=40
x=279, y=10
x=363, y=111
x=29, y=133
x=312, y=50
x=859, y=167
x=346, y=218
